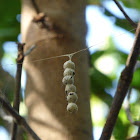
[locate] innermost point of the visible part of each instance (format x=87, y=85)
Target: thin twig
x=35, y=6
x=126, y=16
x=29, y=50
x=18, y=119
x=134, y=138
x=122, y=88
x=138, y=133
x=16, y=104
x=5, y=117
x=127, y=109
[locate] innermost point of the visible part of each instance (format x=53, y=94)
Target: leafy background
x=103, y=84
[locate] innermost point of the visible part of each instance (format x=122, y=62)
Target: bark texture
x=45, y=96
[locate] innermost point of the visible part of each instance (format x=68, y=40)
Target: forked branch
x=18, y=119
x=126, y=16
x=20, y=59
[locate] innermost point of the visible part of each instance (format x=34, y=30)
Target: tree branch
x=42, y=18
x=138, y=133
x=29, y=50
x=18, y=119
x=35, y=6
x=122, y=88
x=16, y=104
x=126, y=16
x=5, y=117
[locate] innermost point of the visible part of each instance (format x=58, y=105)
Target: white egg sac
x=68, y=80
x=69, y=64
x=72, y=108
x=70, y=88
x=72, y=97
x=69, y=71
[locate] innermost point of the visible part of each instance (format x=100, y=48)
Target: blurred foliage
x=1, y=53
x=132, y=4
x=136, y=80
x=122, y=126
x=98, y=104
x=9, y=26
x=95, y=2
x=101, y=81
x=9, y=30
x=25, y=136
x=135, y=111
x=6, y=84
x=128, y=3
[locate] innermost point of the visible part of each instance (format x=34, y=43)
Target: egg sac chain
x=70, y=89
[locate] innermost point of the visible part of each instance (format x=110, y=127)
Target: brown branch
x=126, y=16
x=18, y=119
x=122, y=88
x=134, y=138
x=42, y=19
x=35, y=6
x=16, y=104
x=138, y=133
x=29, y=50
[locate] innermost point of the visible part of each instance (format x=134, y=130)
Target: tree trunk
x=45, y=95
